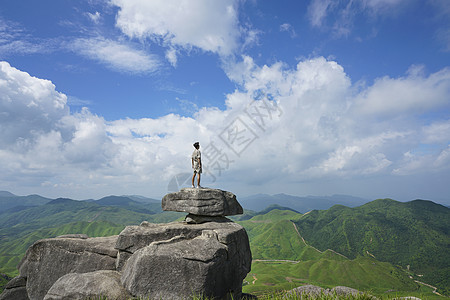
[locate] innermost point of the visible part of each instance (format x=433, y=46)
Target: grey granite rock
x=202, y=202
x=74, y=236
x=310, y=290
x=49, y=259
x=231, y=234
x=91, y=285
x=15, y=289
x=178, y=268
x=315, y=291
x=344, y=290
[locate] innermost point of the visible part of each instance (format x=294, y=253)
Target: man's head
x=197, y=145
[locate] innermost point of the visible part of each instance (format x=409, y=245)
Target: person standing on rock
x=196, y=164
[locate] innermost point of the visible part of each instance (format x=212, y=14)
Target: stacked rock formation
x=206, y=255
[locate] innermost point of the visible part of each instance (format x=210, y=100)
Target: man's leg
x=198, y=180
x=193, y=177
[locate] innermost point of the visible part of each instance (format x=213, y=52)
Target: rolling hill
x=283, y=260
x=413, y=235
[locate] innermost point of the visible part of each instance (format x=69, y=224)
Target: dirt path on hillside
x=429, y=285
x=278, y=260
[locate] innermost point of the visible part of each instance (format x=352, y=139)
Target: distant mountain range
x=256, y=203
x=9, y=201
x=301, y=204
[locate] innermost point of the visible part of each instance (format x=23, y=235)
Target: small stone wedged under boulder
x=49, y=259
x=91, y=285
x=202, y=202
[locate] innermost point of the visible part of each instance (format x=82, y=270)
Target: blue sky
x=312, y=97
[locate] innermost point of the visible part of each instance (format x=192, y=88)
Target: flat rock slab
x=202, y=202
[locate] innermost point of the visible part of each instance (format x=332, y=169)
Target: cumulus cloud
x=207, y=25
x=29, y=106
x=115, y=55
x=282, y=125
x=410, y=94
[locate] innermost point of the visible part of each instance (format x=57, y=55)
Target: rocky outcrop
x=175, y=261
x=202, y=202
x=316, y=291
x=15, y=289
x=49, y=259
x=206, y=255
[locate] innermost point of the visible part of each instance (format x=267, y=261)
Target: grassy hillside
x=283, y=260
x=364, y=274
x=414, y=234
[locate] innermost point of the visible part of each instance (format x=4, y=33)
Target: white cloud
x=15, y=39
x=317, y=11
x=306, y=126
x=288, y=28
x=338, y=16
x=116, y=55
x=437, y=132
x=94, y=17
x=411, y=94
x=207, y=25
x=28, y=107
x=171, y=56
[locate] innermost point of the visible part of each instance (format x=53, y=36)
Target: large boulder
x=177, y=260
x=308, y=291
x=231, y=234
x=49, y=259
x=203, y=202
x=15, y=289
x=181, y=269
x=92, y=285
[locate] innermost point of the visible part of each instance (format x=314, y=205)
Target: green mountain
x=9, y=200
x=413, y=235
x=283, y=260
x=130, y=204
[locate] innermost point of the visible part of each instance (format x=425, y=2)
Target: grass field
x=267, y=278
